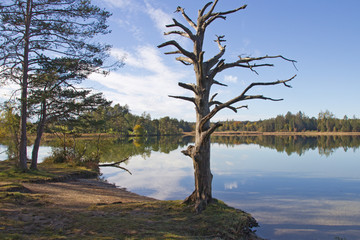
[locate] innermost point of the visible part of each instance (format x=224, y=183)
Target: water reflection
x=294, y=144
x=310, y=192
x=296, y=187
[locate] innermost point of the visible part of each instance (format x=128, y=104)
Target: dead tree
x=207, y=107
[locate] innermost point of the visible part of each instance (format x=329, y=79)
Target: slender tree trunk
x=24, y=88
x=40, y=130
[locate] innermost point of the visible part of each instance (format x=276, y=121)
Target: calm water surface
x=296, y=188
x=312, y=194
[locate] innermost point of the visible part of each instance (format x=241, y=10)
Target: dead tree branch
x=206, y=134
x=246, y=63
x=184, y=60
x=191, y=23
x=116, y=164
x=184, y=28
x=243, y=97
x=211, y=62
x=177, y=45
x=187, y=86
x=190, y=99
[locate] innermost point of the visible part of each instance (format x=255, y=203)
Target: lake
x=295, y=187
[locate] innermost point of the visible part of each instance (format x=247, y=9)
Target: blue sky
x=323, y=36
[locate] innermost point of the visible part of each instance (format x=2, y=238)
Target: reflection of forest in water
x=116, y=149
x=113, y=150
x=294, y=144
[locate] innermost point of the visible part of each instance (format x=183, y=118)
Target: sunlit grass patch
x=168, y=220
x=46, y=172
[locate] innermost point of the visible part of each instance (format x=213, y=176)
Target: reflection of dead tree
x=116, y=164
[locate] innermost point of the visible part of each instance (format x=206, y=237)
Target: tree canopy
x=34, y=32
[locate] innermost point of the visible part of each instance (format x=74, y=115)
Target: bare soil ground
x=82, y=193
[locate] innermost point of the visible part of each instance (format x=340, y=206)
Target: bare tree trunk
x=202, y=194
x=40, y=130
x=200, y=154
x=24, y=86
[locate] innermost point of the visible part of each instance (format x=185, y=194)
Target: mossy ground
x=26, y=215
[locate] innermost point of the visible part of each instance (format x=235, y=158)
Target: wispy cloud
x=119, y=3
x=8, y=91
x=230, y=79
x=146, y=84
x=160, y=18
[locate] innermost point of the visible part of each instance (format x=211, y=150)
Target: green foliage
x=119, y=121
x=9, y=129
x=34, y=35
x=299, y=122
x=138, y=130
x=9, y=121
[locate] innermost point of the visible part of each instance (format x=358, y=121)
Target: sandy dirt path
x=82, y=193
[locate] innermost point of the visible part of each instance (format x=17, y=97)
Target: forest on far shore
x=299, y=122
x=120, y=121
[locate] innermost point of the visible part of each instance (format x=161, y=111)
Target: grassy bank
x=25, y=214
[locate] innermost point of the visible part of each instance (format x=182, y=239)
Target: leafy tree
x=34, y=31
x=54, y=98
x=9, y=128
x=206, y=106
x=346, y=125
x=139, y=130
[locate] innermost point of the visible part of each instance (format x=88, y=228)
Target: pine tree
x=32, y=32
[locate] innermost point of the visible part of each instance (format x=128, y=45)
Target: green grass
x=171, y=219
x=45, y=172
x=150, y=220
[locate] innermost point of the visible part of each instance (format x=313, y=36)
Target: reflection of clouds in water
x=3, y=154
x=160, y=175
x=323, y=219
x=229, y=163
x=44, y=151
x=232, y=185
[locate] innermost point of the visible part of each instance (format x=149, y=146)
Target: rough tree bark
x=24, y=89
x=39, y=133
x=207, y=107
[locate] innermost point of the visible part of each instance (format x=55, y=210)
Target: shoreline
x=248, y=133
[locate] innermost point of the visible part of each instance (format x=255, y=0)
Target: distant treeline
x=299, y=122
x=294, y=144
x=119, y=120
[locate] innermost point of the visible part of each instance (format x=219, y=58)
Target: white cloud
x=119, y=3
x=146, y=84
x=8, y=90
x=231, y=185
x=230, y=79
x=229, y=163
x=160, y=18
